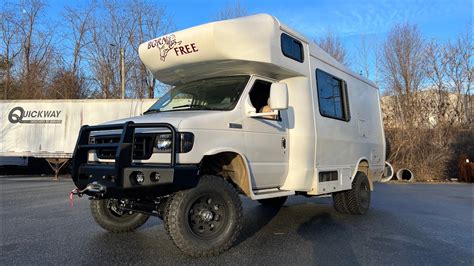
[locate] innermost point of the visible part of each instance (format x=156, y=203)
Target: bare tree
x=403, y=67
x=125, y=25
x=232, y=11
x=69, y=79
x=37, y=50
x=79, y=22
x=65, y=84
x=459, y=71
x=363, y=56
x=9, y=33
x=436, y=75
x=333, y=46
x=109, y=33
x=149, y=22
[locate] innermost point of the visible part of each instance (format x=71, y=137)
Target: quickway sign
x=19, y=115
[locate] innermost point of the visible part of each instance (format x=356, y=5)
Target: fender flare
x=248, y=173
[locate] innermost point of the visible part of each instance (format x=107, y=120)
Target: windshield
x=208, y=94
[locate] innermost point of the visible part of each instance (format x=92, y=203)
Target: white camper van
x=256, y=110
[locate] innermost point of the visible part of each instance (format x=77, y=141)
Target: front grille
x=142, y=147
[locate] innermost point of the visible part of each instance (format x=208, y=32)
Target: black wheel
x=107, y=214
x=358, y=198
x=205, y=220
x=340, y=202
x=273, y=202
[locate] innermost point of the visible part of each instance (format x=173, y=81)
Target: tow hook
x=93, y=189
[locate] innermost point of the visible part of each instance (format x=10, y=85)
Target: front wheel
x=109, y=216
x=205, y=220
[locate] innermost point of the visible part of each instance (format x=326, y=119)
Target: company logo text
x=18, y=115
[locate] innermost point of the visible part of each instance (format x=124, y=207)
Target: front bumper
x=119, y=178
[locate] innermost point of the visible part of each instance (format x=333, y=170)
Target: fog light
x=140, y=177
x=155, y=177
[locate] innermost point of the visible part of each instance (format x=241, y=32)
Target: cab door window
x=260, y=99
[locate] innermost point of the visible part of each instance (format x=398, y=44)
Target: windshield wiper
x=195, y=107
x=151, y=111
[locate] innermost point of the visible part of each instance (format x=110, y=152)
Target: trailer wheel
x=273, y=202
x=106, y=214
x=358, y=198
x=340, y=202
x=205, y=220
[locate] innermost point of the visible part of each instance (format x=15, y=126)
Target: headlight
x=163, y=142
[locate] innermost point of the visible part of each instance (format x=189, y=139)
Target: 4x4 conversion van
x=257, y=110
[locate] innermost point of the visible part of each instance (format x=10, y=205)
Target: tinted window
x=291, y=47
x=332, y=96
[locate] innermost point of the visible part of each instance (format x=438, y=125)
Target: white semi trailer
x=256, y=109
x=49, y=128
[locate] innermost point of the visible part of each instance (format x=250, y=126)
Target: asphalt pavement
x=407, y=224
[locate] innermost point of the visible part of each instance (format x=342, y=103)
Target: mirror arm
x=254, y=114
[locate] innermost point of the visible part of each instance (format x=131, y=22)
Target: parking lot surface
x=407, y=224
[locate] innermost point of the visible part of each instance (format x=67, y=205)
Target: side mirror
x=279, y=96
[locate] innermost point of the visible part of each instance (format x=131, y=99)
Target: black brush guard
x=119, y=178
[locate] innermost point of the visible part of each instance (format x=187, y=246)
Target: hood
x=181, y=119
x=173, y=118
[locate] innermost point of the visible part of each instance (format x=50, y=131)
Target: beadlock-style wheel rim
x=207, y=216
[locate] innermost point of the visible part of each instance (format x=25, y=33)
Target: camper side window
x=291, y=48
x=332, y=96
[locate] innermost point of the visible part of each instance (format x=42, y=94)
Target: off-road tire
x=340, y=202
x=162, y=208
x=273, y=202
x=183, y=224
x=358, y=198
x=112, y=222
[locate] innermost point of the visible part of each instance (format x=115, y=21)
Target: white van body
x=314, y=143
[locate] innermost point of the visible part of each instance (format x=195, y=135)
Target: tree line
x=78, y=54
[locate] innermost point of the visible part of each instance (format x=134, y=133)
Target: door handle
x=283, y=143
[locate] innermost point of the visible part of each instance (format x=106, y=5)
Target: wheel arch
x=363, y=166
x=230, y=164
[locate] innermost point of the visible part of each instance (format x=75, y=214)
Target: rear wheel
x=108, y=215
x=356, y=200
x=205, y=220
x=340, y=202
x=273, y=202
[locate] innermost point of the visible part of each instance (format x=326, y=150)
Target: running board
x=271, y=193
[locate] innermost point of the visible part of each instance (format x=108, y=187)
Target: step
x=271, y=193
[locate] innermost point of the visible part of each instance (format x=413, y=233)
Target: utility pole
x=122, y=71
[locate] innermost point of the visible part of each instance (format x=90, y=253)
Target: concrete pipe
x=405, y=174
x=387, y=173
